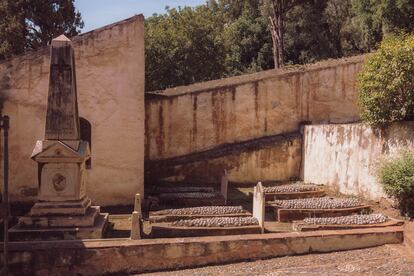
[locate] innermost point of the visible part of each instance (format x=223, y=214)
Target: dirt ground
x=385, y=260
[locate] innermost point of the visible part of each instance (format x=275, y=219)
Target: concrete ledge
x=301, y=226
x=95, y=257
x=208, y=86
x=166, y=230
x=409, y=234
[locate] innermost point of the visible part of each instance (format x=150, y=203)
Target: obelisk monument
x=63, y=211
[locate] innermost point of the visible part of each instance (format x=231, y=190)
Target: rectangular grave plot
x=303, y=227
x=170, y=218
x=288, y=215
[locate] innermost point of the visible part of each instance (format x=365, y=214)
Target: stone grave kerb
x=259, y=205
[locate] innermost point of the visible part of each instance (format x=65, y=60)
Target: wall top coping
x=244, y=79
x=119, y=243
x=77, y=39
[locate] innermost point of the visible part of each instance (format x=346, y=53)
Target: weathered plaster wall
x=202, y=116
x=110, y=79
x=346, y=156
x=266, y=159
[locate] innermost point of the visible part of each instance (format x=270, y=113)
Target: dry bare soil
x=385, y=260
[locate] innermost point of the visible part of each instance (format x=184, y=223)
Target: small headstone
x=259, y=205
x=137, y=204
x=135, y=226
x=224, y=186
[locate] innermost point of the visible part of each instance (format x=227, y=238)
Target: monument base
x=61, y=220
x=96, y=231
x=66, y=208
x=53, y=221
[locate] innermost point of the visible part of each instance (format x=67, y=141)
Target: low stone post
x=136, y=219
x=135, y=226
x=224, y=186
x=259, y=205
x=137, y=204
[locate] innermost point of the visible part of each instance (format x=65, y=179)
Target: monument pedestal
x=63, y=211
x=20, y=233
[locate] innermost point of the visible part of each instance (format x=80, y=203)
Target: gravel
x=292, y=188
x=204, y=210
x=352, y=219
x=217, y=222
x=317, y=203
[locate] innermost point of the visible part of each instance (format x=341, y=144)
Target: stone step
x=95, y=231
x=87, y=220
x=75, y=208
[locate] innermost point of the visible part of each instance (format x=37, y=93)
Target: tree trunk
x=276, y=20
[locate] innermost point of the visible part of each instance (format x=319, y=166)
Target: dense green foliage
x=386, y=83
x=29, y=24
x=232, y=37
x=222, y=37
x=397, y=178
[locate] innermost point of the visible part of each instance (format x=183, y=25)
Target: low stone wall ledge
x=96, y=257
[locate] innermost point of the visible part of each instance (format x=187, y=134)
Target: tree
x=182, y=47
x=279, y=9
x=30, y=24
x=247, y=41
x=231, y=37
x=378, y=18
x=306, y=33
x=337, y=14
x=277, y=16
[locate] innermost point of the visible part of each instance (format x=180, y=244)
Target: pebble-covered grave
x=198, y=212
x=301, y=208
x=292, y=191
x=292, y=203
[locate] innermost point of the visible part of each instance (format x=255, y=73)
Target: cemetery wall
x=346, y=156
x=110, y=79
x=271, y=158
x=187, y=120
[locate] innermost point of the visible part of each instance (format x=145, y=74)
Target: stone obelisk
x=63, y=211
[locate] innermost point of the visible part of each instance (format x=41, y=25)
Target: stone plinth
x=63, y=210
